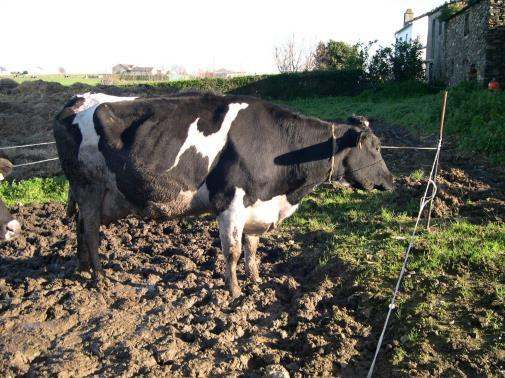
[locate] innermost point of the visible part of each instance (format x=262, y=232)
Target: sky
x=93, y=35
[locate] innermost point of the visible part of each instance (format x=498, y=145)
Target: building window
x=467, y=24
x=440, y=28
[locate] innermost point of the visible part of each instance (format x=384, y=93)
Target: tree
x=292, y=57
x=62, y=71
x=338, y=55
x=400, y=61
x=380, y=67
x=407, y=61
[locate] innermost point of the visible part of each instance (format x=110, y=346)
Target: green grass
x=474, y=120
x=69, y=80
x=455, y=273
x=35, y=190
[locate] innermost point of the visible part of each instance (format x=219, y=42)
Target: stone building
x=468, y=45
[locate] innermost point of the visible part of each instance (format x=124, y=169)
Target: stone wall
x=496, y=42
x=465, y=45
x=435, y=49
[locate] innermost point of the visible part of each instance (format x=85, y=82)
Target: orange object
x=494, y=85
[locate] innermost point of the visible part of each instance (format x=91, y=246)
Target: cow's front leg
x=250, y=247
x=231, y=226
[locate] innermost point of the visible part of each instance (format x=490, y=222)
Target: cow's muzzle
x=10, y=230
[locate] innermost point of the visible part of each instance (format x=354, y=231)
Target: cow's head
x=362, y=163
x=9, y=227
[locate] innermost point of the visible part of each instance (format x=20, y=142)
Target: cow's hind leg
x=82, y=250
x=89, y=230
x=231, y=226
x=250, y=247
x=71, y=205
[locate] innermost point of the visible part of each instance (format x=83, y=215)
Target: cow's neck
x=317, y=156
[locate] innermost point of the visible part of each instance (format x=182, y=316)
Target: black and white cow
x=9, y=227
x=246, y=160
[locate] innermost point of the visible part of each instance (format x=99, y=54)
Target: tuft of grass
x=417, y=175
x=35, y=190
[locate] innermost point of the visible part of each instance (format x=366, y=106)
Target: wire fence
x=34, y=162
x=52, y=159
x=27, y=145
x=426, y=199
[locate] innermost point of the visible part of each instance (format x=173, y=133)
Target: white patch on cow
x=95, y=99
x=257, y=218
x=232, y=220
x=84, y=116
x=13, y=228
x=209, y=146
x=263, y=215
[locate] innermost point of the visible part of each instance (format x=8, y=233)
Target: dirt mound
x=466, y=188
x=7, y=84
x=458, y=195
x=166, y=310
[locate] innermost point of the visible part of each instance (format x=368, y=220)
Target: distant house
x=414, y=28
x=131, y=70
x=4, y=71
x=467, y=45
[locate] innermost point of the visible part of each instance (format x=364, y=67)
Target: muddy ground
x=166, y=311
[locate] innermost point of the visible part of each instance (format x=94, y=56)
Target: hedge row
x=283, y=86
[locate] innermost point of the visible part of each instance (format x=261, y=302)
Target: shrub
x=282, y=86
x=401, y=61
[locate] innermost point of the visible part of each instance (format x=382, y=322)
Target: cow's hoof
x=255, y=277
x=256, y=280
x=235, y=292
x=102, y=282
x=84, y=266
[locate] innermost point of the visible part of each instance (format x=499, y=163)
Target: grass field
x=84, y=79
x=474, y=119
x=62, y=79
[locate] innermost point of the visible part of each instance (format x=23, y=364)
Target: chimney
x=408, y=16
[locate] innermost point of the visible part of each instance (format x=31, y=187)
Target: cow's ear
x=114, y=119
x=5, y=168
x=362, y=137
